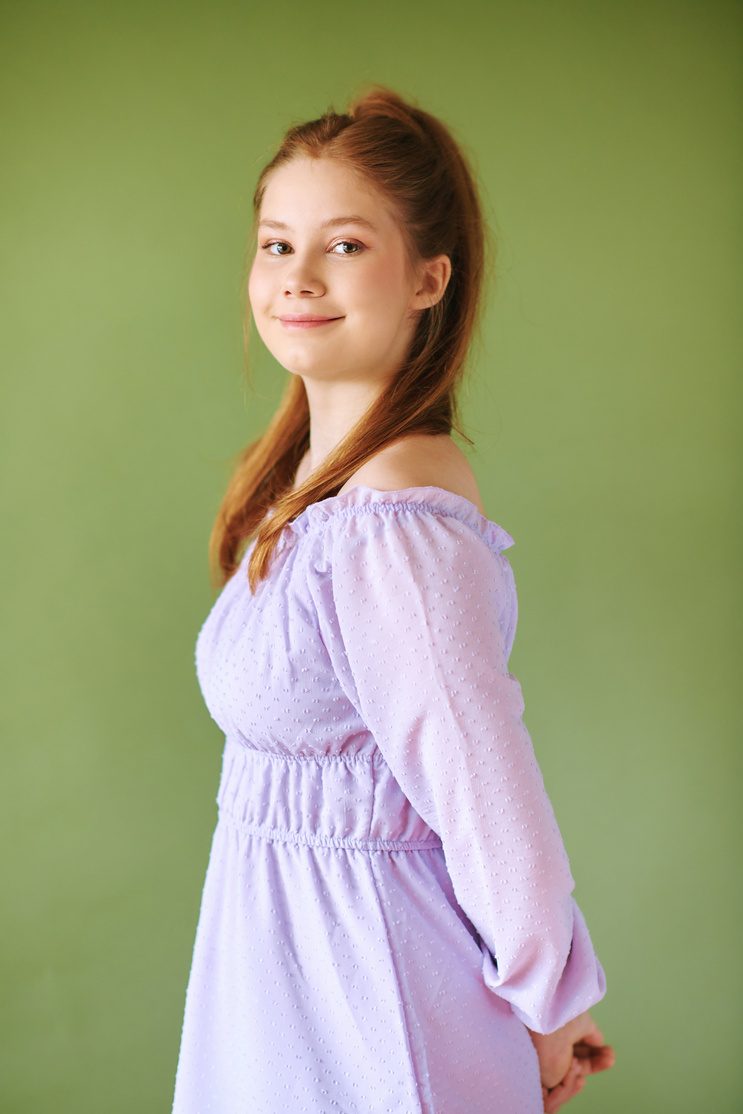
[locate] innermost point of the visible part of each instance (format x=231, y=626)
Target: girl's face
x=333, y=291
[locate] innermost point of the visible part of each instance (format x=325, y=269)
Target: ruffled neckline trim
x=434, y=500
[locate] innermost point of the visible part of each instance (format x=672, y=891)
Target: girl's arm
x=417, y=600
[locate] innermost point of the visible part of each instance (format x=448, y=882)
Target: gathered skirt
x=333, y=969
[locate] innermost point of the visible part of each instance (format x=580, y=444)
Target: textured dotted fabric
x=388, y=901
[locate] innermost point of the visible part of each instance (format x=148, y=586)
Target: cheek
x=256, y=287
x=392, y=285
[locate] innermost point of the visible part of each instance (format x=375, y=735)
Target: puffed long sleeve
x=425, y=609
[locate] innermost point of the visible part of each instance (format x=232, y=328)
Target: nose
x=302, y=279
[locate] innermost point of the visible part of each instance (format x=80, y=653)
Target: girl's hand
x=568, y=1088
x=567, y=1056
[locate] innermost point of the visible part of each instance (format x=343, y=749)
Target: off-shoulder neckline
x=434, y=500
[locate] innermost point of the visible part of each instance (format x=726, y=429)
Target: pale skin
x=336, y=297
x=567, y=1056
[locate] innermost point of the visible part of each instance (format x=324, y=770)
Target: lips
x=305, y=320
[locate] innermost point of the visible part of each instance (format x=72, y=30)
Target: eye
x=277, y=247
x=347, y=247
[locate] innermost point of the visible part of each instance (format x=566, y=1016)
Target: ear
x=432, y=280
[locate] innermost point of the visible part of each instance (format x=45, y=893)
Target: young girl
x=387, y=923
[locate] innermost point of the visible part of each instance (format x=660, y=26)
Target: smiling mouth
x=305, y=320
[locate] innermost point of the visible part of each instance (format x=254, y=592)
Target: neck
x=335, y=408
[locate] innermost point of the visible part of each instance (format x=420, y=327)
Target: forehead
x=317, y=191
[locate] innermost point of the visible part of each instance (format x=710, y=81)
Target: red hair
x=412, y=160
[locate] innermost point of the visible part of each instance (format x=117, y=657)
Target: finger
x=594, y=1059
x=570, y=1086
x=561, y=1094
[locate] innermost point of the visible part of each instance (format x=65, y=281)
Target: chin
x=312, y=365
x=310, y=369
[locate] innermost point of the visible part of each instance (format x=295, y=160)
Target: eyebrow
x=334, y=222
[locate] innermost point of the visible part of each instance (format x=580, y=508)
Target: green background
x=603, y=405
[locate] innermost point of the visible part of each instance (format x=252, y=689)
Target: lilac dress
x=388, y=901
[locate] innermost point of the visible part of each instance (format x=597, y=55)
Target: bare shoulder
x=420, y=460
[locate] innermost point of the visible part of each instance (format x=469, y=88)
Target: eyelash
x=281, y=255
